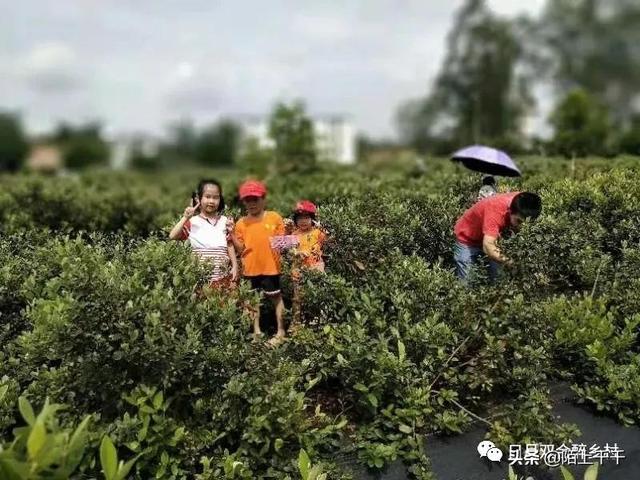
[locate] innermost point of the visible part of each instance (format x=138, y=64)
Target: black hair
x=204, y=183
x=488, y=180
x=527, y=204
x=297, y=215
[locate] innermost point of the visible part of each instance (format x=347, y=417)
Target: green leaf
x=14, y=469
x=77, y=439
x=278, y=444
x=512, y=474
x=401, y=351
x=312, y=383
x=405, y=428
x=592, y=472
x=314, y=473
x=340, y=425
x=158, y=399
x=147, y=409
x=566, y=474
x=37, y=439
x=3, y=391
x=26, y=410
x=304, y=464
x=133, y=446
x=123, y=470
x=228, y=466
x=108, y=458
x=373, y=400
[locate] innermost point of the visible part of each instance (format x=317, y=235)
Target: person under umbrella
x=489, y=187
x=478, y=229
x=490, y=161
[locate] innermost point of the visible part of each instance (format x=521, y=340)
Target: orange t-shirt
x=311, y=244
x=258, y=258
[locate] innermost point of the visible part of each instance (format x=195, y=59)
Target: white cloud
x=50, y=68
x=322, y=27
x=139, y=64
x=185, y=70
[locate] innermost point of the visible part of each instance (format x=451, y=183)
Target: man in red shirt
x=479, y=228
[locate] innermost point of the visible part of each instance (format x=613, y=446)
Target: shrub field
x=97, y=314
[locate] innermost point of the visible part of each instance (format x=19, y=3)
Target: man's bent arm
x=490, y=247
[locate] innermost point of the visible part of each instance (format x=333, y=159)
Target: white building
x=335, y=136
x=124, y=145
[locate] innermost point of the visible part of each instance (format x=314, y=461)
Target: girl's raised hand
x=191, y=211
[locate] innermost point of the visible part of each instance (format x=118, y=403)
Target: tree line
x=218, y=144
x=584, y=53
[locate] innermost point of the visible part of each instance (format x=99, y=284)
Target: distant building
x=45, y=158
x=123, y=146
x=335, y=136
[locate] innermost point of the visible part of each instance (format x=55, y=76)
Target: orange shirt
x=258, y=258
x=311, y=244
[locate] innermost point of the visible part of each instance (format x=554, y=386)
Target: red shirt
x=489, y=216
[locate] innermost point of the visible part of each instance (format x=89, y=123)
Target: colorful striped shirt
x=208, y=239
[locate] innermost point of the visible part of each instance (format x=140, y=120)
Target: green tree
x=478, y=94
x=215, y=145
x=82, y=146
x=593, y=44
x=292, y=132
x=182, y=142
x=141, y=159
x=13, y=142
x=218, y=144
x=629, y=141
x=255, y=161
x=581, y=126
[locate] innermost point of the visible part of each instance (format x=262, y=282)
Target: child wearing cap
x=260, y=263
x=308, y=254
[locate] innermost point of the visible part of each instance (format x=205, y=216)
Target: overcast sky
x=138, y=64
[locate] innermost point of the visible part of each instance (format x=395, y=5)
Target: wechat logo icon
x=489, y=450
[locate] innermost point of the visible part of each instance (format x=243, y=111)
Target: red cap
x=305, y=206
x=252, y=188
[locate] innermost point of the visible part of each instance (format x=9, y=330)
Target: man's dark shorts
x=269, y=284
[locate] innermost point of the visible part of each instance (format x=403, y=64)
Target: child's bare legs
x=254, y=314
x=279, y=304
x=295, y=323
x=279, y=307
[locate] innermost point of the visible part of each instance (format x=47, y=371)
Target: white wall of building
x=335, y=137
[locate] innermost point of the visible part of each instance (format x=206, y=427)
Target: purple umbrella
x=487, y=160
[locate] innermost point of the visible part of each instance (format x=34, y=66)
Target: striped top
x=208, y=239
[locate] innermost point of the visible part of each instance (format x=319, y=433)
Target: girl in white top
x=206, y=229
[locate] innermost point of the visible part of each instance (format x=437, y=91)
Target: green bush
x=97, y=311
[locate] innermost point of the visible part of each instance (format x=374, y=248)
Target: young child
x=260, y=263
x=206, y=229
x=308, y=254
x=488, y=189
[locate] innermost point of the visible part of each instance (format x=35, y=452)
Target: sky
x=137, y=65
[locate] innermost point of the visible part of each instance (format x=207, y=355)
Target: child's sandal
x=257, y=337
x=276, y=341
